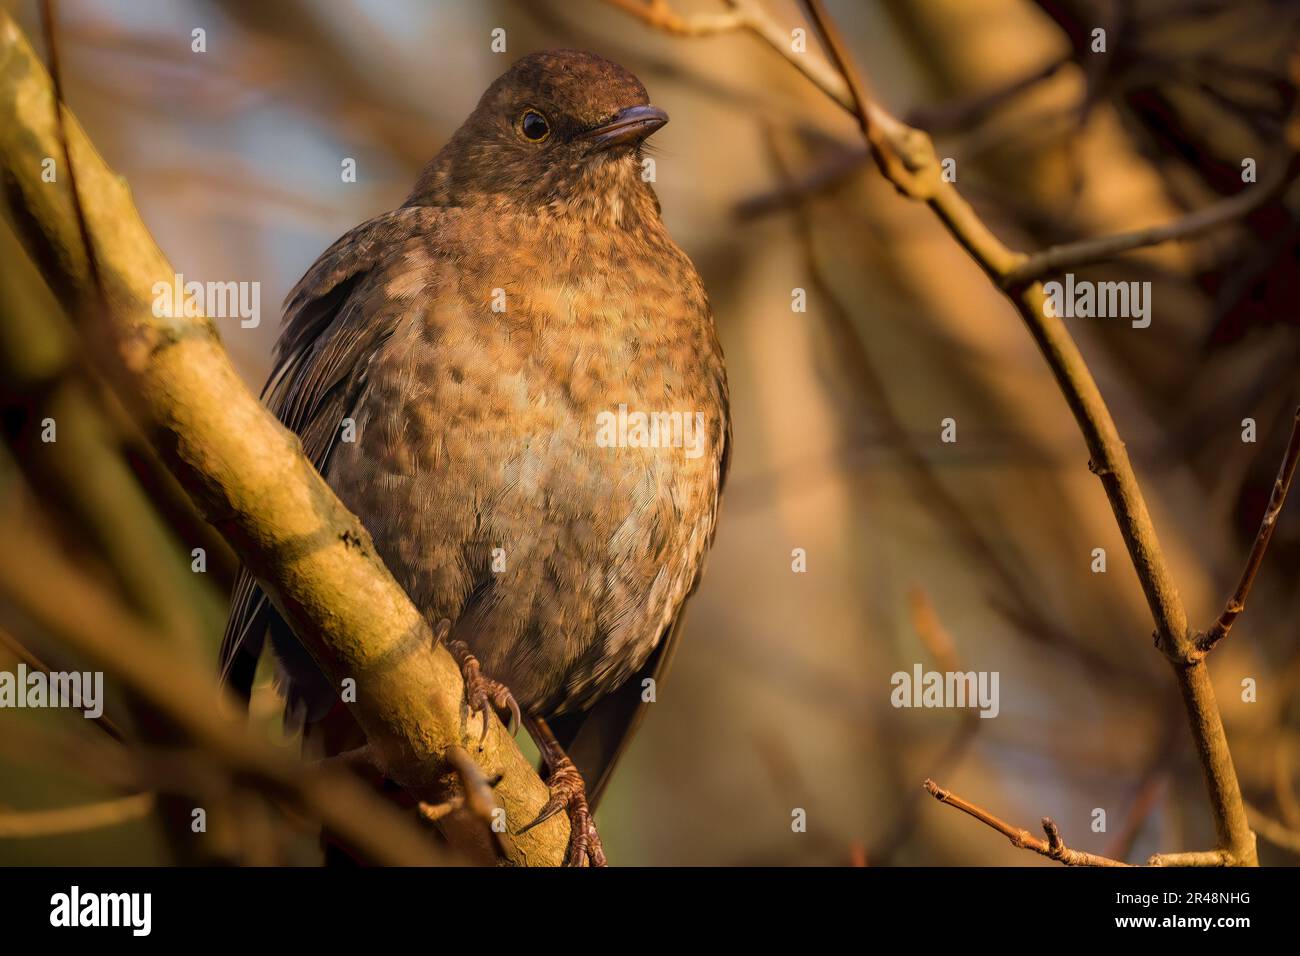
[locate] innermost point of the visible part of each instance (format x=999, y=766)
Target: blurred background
x=978, y=552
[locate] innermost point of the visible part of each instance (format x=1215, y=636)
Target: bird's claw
x=482, y=693
x=569, y=793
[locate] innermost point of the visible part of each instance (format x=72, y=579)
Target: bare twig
x=1281, y=485
x=907, y=158
x=82, y=478
x=437, y=812
x=1275, y=832
x=1110, y=461
x=944, y=117
x=963, y=112
x=745, y=15
x=77, y=612
x=931, y=632
x=478, y=798
x=359, y=760
x=660, y=15
x=750, y=15
x=103, y=722
x=791, y=190
x=1009, y=596
x=1053, y=847
x=1149, y=789
x=475, y=795
x=939, y=643
x=1144, y=802
x=28, y=824
x=49, y=18
x=1088, y=251
x=1192, y=858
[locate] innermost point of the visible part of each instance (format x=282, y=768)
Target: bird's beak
x=631, y=125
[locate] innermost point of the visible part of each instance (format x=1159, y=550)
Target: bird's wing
x=595, y=739
x=327, y=338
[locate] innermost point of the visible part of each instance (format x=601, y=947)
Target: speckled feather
x=476, y=429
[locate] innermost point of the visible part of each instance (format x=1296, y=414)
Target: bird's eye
x=534, y=126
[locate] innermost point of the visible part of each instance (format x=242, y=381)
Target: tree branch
x=46, y=378
x=911, y=164
x=1281, y=485
x=660, y=15
x=907, y=158
x=30, y=824
x=104, y=721
x=750, y=15
x=71, y=608
x=745, y=15
x=1053, y=847
x=1192, y=858
x=1062, y=258
x=1274, y=831
x=246, y=473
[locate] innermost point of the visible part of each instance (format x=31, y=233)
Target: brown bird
x=515, y=382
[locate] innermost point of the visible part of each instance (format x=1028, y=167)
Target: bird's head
x=561, y=129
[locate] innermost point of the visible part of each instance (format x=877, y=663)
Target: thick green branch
x=247, y=474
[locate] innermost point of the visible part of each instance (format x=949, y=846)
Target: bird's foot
x=568, y=792
x=481, y=692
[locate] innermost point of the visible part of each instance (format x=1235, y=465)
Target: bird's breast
x=539, y=455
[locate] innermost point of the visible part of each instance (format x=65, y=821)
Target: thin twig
x=931, y=632
x=103, y=722
x=879, y=129
x=435, y=812
x=660, y=15
x=750, y=15
x=907, y=158
x=359, y=760
x=939, y=643
x=476, y=787
x=29, y=824
x=1109, y=458
x=793, y=190
x=960, y=113
x=1088, y=251
x=1275, y=832
x=745, y=15
x=952, y=116
x=1192, y=858
x=1150, y=788
x=475, y=795
x=1281, y=485
x=48, y=21
x=1053, y=847
x=1010, y=596
x=48, y=592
